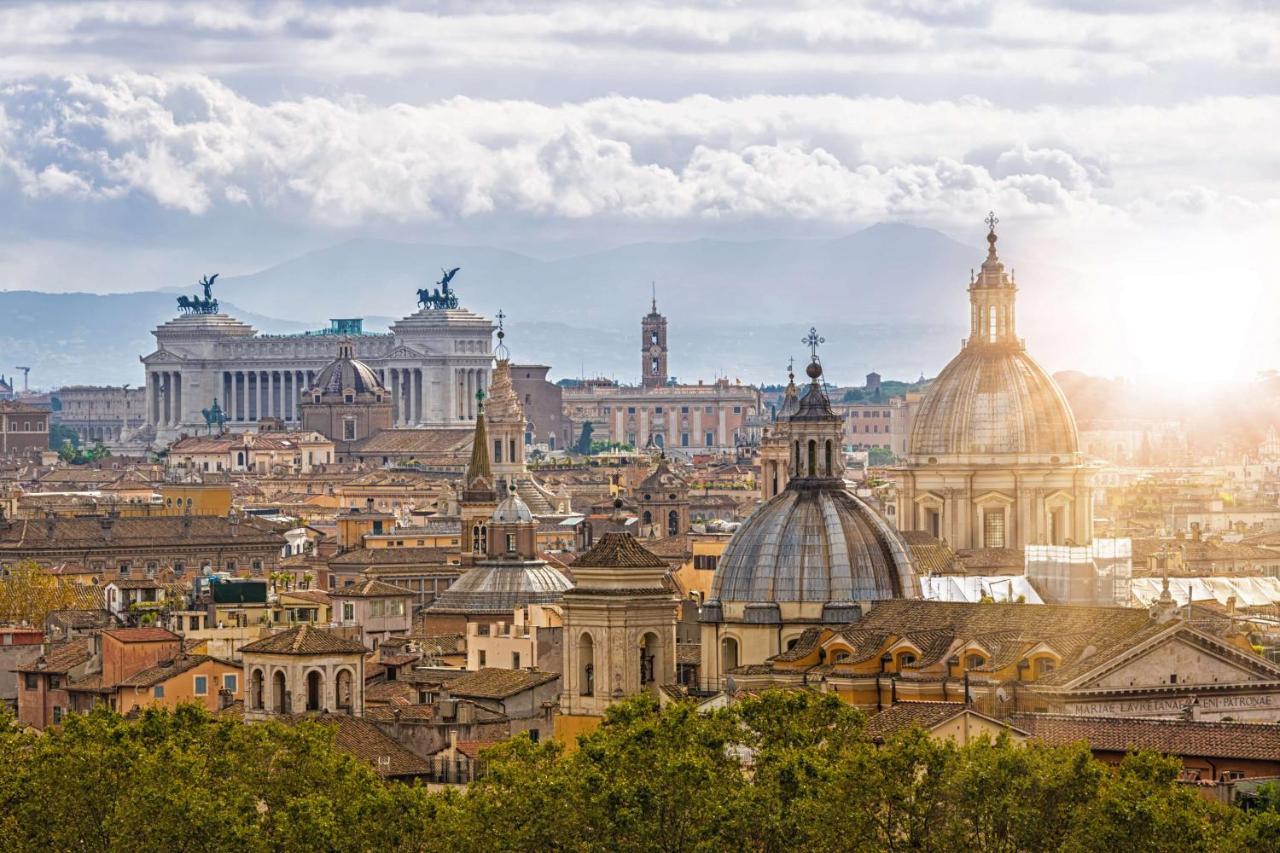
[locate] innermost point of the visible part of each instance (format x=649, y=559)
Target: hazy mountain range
x=889, y=298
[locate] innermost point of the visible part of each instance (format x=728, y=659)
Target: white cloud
x=189, y=143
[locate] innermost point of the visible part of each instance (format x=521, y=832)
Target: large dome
x=994, y=400
x=347, y=373
x=814, y=543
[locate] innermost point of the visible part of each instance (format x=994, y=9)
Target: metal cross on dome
x=813, y=339
x=991, y=220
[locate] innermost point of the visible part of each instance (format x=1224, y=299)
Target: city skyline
x=144, y=144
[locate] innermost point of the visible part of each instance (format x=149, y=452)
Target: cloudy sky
x=1132, y=140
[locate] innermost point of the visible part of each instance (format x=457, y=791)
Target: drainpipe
x=967, y=698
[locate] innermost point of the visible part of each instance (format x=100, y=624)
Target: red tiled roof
x=142, y=635
x=1258, y=741
x=304, y=640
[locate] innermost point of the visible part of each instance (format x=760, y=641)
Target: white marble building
x=432, y=362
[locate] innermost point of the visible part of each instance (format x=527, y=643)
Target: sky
x=1129, y=142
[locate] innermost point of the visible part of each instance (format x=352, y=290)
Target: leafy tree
x=880, y=456
x=1142, y=809
x=61, y=434
x=28, y=594
x=583, y=445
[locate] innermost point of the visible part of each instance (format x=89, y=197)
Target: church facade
x=431, y=362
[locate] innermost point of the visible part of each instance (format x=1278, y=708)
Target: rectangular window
x=993, y=528
x=631, y=410
x=179, y=567
x=230, y=683
x=231, y=565
x=515, y=660
x=737, y=410
x=376, y=608
x=711, y=439
x=202, y=685
x=57, y=714
x=257, y=565
x=31, y=680
x=158, y=691
x=684, y=439
x=348, y=611
x=657, y=410
x=124, y=570
x=480, y=657
x=511, y=543
x=348, y=429
x=497, y=450
x=54, y=682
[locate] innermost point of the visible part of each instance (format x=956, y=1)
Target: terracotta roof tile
x=61, y=659
x=492, y=683
x=365, y=741
x=370, y=588
x=304, y=640
x=1174, y=737
x=142, y=635
x=619, y=550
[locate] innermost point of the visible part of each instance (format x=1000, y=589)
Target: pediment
x=402, y=351
x=162, y=356
x=993, y=498
x=929, y=499
x=1183, y=657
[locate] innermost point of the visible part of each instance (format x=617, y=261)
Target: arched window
x=906, y=659
x=344, y=684
x=813, y=459
x=795, y=463
x=974, y=661
x=829, y=469
x=650, y=657
x=647, y=518
x=256, y=688
x=728, y=654
x=991, y=327
x=315, y=691
x=587, y=665
x=279, y=691
x=673, y=523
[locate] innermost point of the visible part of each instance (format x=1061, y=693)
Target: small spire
x=654, y=304
x=501, y=350
x=991, y=221
x=791, y=370
x=813, y=339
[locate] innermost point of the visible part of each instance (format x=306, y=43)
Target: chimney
x=48, y=523
x=107, y=522
x=395, y=726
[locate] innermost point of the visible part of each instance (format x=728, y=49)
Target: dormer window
x=348, y=398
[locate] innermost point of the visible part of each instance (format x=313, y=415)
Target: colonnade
x=249, y=395
x=164, y=398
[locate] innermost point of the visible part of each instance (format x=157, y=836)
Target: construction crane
x=26, y=371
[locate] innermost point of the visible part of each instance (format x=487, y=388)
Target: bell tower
x=653, y=347
x=991, y=299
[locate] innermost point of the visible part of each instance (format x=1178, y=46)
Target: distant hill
x=884, y=273
x=890, y=298
x=69, y=338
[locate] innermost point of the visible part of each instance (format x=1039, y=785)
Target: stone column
x=394, y=393
x=177, y=409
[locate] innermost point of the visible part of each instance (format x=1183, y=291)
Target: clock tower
x=653, y=348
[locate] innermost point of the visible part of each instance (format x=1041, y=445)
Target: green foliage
x=880, y=456
x=75, y=455
x=786, y=770
x=584, y=439
x=60, y=434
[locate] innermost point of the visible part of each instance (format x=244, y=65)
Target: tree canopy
x=781, y=771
